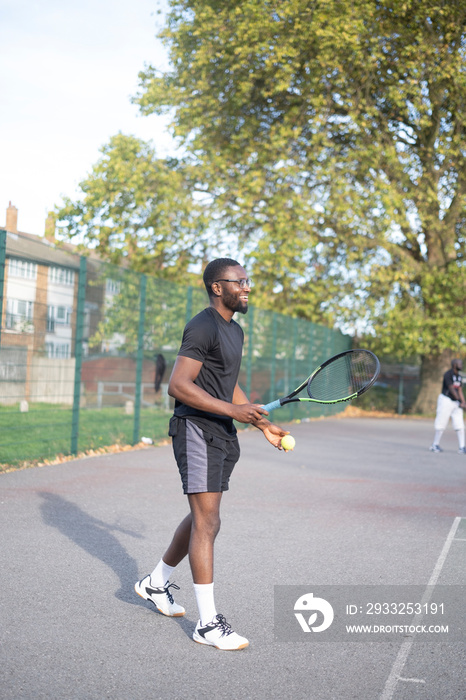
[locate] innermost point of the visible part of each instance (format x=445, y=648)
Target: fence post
x=330, y=342
x=401, y=390
x=189, y=304
x=139, y=359
x=273, y=363
x=294, y=341
x=310, y=346
x=78, y=354
x=2, y=275
x=250, y=349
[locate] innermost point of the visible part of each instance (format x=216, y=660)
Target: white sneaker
x=219, y=634
x=161, y=597
x=435, y=448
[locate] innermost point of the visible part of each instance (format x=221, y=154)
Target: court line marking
x=395, y=673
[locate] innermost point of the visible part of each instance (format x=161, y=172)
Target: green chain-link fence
x=83, y=344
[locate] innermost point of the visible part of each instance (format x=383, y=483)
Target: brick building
x=38, y=321
x=40, y=291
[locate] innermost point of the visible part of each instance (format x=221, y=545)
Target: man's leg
x=212, y=629
x=458, y=425
x=156, y=586
x=205, y=511
x=441, y=420
x=179, y=546
x=460, y=436
x=175, y=553
x=196, y=535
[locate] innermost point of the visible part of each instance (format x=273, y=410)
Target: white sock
x=460, y=434
x=438, y=435
x=205, y=601
x=161, y=574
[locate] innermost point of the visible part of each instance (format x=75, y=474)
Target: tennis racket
x=341, y=378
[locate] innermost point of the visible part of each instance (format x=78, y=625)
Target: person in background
x=450, y=404
x=160, y=367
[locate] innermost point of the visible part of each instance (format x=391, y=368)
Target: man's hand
x=254, y=413
x=247, y=412
x=274, y=434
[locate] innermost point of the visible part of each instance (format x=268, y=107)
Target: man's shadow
x=94, y=536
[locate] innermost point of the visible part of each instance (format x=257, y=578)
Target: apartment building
x=38, y=320
x=40, y=292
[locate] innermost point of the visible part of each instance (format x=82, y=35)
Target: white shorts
x=446, y=409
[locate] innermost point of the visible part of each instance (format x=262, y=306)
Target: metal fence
x=86, y=349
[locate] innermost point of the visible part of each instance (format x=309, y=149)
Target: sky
x=67, y=73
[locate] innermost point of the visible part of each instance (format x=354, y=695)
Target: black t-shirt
x=218, y=344
x=450, y=378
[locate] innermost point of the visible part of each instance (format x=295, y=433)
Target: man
x=204, y=384
x=450, y=404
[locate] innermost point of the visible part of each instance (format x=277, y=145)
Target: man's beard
x=235, y=304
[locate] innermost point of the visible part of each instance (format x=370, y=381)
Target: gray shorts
x=205, y=461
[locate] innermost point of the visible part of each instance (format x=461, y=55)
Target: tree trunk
x=433, y=368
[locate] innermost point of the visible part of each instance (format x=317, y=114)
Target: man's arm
x=182, y=387
x=461, y=397
x=271, y=431
x=456, y=391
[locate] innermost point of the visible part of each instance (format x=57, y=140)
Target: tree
x=330, y=138
x=167, y=307
x=139, y=211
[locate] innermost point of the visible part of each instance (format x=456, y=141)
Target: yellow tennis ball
x=288, y=442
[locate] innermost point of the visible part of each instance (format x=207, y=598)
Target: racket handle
x=272, y=405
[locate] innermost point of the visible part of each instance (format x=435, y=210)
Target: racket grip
x=272, y=405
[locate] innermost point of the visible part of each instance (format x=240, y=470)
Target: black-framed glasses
x=242, y=283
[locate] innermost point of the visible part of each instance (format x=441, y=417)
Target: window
x=112, y=287
x=58, y=350
x=19, y=314
x=63, y=315
x=22, y=268
x=61, y=275
x=60, y=315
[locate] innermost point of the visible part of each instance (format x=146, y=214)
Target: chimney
x=50, y=227
x=12, y=219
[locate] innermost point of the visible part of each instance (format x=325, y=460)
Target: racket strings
x=346, y=376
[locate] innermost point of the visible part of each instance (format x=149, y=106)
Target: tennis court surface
x=360, y=503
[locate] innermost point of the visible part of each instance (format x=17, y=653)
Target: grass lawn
x=44, y=432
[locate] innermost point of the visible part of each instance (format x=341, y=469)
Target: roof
x=29, y=247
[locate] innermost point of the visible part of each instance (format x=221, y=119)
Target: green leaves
x=331, y=138
x=323, y=142
x=139, y=210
